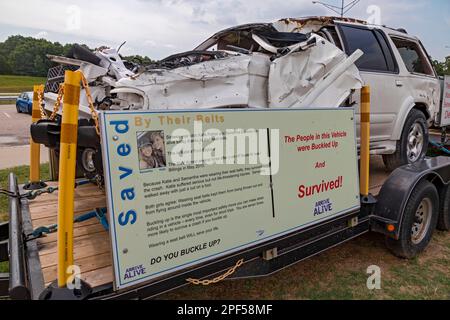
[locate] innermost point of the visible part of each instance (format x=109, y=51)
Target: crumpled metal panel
x=240, y=80
x=297, y=80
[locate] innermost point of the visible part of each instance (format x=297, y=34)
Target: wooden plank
x=82, y=241
x=51, y=220
x=82, y=191
x=77, y=232
x=89, y=249
x=46, y=210
x=86, y=264
x=99, y=277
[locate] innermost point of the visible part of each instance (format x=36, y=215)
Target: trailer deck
x=92, y=249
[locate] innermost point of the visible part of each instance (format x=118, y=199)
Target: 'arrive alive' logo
x=322, y=206
x=133, y=272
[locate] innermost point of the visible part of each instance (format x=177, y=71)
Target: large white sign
x=185, y=187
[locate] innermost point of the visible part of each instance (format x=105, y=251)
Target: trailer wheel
x=444, y=211
x=419, y=221
x=413, y=142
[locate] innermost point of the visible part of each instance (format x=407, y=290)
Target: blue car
x=24, y=102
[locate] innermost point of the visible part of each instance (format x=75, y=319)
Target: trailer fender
x=396, y=191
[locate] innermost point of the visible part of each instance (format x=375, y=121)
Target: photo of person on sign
x=152, y=150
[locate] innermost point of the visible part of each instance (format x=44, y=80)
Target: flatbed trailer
x=33, y=262
x=405, y=205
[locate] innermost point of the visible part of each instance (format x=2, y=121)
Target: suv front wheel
x=413, y=143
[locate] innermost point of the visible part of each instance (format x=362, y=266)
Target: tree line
x=442, y=68
x=26, y=56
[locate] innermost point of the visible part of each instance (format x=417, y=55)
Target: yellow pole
x=67, y=162
x=365, y=141
x=35, y=147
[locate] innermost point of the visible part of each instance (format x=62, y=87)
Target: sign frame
x=233, y=251
x=445, y=121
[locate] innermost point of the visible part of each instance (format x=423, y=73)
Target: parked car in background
x=24, y=102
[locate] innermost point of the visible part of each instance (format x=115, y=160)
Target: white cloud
x=41, y=35
x=158, y=28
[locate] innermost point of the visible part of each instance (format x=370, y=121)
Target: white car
x=292, y=63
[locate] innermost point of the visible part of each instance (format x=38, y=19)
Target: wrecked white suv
x=318, y=62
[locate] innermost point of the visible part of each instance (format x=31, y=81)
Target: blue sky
x=158, y=28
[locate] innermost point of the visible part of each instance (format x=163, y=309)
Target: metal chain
x=222, y=277
x=41, y=102
x=99, y=181
x=58, y=102
x=30, y=195
x=94, y=114
x=55, y=107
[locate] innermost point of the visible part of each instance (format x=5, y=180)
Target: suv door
x=380, y=71
x=419, y=77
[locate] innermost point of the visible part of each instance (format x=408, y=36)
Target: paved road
x=14, y=127
x=15, y=138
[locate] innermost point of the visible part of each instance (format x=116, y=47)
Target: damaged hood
x=249, y=66
x=313, y=73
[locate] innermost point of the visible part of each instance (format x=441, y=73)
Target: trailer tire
x=418, y=223
x=416, y=122
x=444, y=210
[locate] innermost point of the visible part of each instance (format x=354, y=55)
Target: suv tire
x=413, y=143
x=418, y=223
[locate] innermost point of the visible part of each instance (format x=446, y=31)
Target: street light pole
x=342, y=10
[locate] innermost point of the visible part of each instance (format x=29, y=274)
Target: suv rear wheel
x=418, y=223
x=413, y=143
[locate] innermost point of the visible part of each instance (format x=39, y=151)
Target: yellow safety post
x=67, y=163
x=35, y=151
x=365, y=142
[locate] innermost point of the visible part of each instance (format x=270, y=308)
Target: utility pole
x=342, y=10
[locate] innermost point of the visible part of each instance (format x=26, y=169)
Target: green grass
x=17, y=84
x=22, y=173
x=340, y=274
